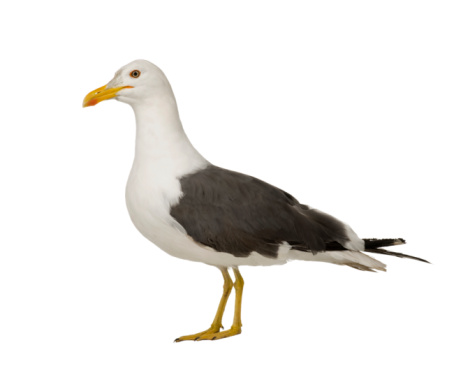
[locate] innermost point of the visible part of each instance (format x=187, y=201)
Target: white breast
x=153, y=188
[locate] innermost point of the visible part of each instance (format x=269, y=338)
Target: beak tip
x=89, y=103
x=100, y=94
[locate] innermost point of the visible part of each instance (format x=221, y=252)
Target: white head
x=137, y=82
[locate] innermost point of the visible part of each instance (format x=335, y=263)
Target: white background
x=348, y=105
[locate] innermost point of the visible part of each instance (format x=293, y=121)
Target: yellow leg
x=239, y=283
x=214, y=333
x=236, y=326
x=217, y=321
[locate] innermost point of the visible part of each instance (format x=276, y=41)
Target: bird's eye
x=135, y=74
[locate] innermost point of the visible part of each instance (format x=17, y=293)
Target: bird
x=200, y=212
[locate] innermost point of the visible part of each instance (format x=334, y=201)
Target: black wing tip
x=399, y=255
x=400, y=241
x=375, y=243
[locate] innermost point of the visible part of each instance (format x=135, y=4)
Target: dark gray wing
x=237, y=214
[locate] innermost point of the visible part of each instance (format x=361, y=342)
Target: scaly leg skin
x=236, y=326
x=217, y=322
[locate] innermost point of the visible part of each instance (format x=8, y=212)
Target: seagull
x=197, y=211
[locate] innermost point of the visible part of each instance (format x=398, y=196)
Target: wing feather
x=236, y=213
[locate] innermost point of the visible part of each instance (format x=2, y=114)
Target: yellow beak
x=101, y=94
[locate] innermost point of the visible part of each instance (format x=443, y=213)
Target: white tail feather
x=351, y=258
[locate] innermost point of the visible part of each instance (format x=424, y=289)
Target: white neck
x=161, y=143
